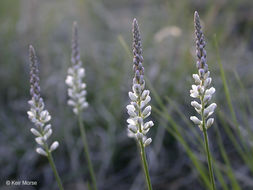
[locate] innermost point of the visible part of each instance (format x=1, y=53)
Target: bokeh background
x=176, y=157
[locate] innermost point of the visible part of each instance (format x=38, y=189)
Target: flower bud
x=54, y=146
x=195, y=120
x=147, y=142
x=41, y=151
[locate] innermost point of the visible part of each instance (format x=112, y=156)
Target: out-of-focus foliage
x=176, y=159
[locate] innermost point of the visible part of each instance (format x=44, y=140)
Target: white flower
x=75, y=79
x=37, y=113
x=196, y=105
x=199, y=90
x=41, y=151
x=196, y=78
x=195, y=120
x=138, y=109
x=40, y=140
x=146, y=112
x=210, y=91
x=147, y=142
x=132, y=96
x=209, y=122
x=54, y=146
x=35, y=132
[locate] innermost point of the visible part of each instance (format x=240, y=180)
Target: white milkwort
x=138, y=109
x=202, y=89
x=37, y=113
x=74, y=80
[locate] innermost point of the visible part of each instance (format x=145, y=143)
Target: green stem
x=52, y=164
x=211, y=175
x=145, y=165
x=86, y=151
x=209, y=158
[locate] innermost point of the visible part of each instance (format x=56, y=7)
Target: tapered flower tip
x=135, y=25
x=196, y=16
x=135, y=22
x=31, y=48
x=31, y=51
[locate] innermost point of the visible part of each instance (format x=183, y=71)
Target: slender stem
x=209, y=158
x=52, y=164
x=145, y=165
x=86, y=151
x=210, y=167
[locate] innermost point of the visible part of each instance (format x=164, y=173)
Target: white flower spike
x=74, y=80
x=38, y=114
x=138, y=109
x=202, y=89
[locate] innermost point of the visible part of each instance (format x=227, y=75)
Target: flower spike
x=37, y=113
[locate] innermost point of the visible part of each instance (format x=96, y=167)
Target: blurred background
x=176, y=156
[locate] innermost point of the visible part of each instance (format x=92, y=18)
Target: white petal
x=54, y=146
x=75, y=110
x=196, y=105
x=84, y=105
x=209, y=122
x=148, y=125
x=81, y=72
x=207, y=98
x=195, y=120
x=132, y=96
x=69, y=80
x=41, y=151
x=30, y=114
x=194, y=93
x=131, y=113
x=132, y=128
x=145, y=102
x=83, y=85
x=146, y=111
x=207, y=82
x=39, y=140
x=147, y=142
x=196, y=78
x=210, y=91
x=210, y=108
x=131, y=121
x=35, y=132
x=144, y=94
x=47, y=127
x=130, y=107
x=130, y=134
x=48, y=133
x=194, y=87
x=71, y=103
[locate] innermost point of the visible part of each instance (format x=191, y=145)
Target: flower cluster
x=38, y=114
x=138, y=109
x=201, y=89
x=74, y=80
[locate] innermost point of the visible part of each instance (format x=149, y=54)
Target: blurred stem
x=52, y=164
x=145, y=165
x=86, y=151
x=207, y=144
x=229, y=102
x=224, y=81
